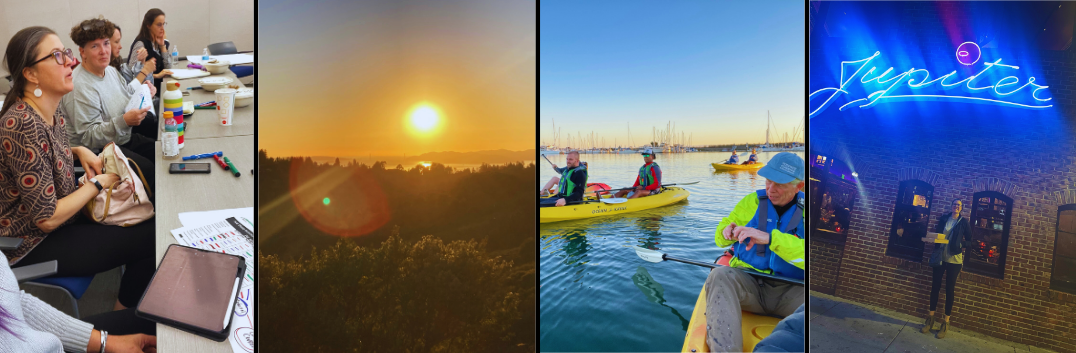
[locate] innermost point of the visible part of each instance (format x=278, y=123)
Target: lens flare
x=359, y=205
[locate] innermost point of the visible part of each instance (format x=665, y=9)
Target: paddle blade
x=615, y=200
x=649, y=255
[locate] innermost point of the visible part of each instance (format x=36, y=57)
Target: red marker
x=221, y=162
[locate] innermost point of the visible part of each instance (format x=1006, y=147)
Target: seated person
x=649, y=180
x=43, y=199
x=735, y=159
x=95, y=108
x=550, y=187
x=753, y=158
x=151, y=39
x=573, y=183
x=28, y=324
x=141, y=71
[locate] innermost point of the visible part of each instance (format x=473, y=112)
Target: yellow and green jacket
x=784, y=255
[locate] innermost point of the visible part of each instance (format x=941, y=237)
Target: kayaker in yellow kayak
x=573, y=183
x=753, y=158
x=735, y=159
x=550, y=186
x=765, y=230
x=649, y=180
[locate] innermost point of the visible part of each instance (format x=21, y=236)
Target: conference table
x=220, y=189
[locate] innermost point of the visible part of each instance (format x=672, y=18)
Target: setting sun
x=424, y=118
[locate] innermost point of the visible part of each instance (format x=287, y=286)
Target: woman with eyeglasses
x=96, y=106
x=40, y=203
x=151, y=38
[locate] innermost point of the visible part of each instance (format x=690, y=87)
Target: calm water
x=596, y=294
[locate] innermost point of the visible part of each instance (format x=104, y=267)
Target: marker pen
x=203, y=155
x=232, y=167
x=221, y=162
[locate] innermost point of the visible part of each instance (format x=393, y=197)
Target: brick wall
x=1029, y=157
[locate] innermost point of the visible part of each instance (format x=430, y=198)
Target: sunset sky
x=712, y=67
x=339, y=78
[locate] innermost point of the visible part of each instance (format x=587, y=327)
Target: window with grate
x=991, y=213
x=1063, y=277
x=833, y=193
x=910, y=217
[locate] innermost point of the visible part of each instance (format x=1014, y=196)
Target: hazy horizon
x=347, y=78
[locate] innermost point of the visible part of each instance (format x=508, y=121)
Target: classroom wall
x=192, y=24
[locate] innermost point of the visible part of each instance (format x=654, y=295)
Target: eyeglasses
x=161, y=25
x=62, y=57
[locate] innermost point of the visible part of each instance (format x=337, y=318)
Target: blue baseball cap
x=783, y=168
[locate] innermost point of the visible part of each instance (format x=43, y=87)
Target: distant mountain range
x=500, y=156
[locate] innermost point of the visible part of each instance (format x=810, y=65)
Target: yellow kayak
x=753, y=327
x=726, y=167
x=670, y=196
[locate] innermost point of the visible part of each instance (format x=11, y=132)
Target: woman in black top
x=151, y=37
x=958, y=232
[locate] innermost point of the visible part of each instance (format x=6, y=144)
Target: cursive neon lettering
x=919, y=79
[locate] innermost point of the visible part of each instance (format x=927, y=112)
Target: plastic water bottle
x=170, y=137
x=175, y=53
x=205, y=54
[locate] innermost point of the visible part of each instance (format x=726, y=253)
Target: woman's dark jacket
x=961, y=233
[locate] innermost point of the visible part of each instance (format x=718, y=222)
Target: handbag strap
x=108, y=201
x=140, y=176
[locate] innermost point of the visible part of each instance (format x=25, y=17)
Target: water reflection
x=650, y=229
x=654, y=291
x=573, y=248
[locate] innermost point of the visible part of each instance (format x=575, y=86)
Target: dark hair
x=955, y=200
x=115, y=62
x=143, y=31
x=21, y=51
x=91, y=30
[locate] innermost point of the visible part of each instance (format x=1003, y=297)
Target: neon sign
x=916, y=80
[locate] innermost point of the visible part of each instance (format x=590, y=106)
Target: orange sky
x=337, y=79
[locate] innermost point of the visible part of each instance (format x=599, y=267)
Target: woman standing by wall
x=957, y=231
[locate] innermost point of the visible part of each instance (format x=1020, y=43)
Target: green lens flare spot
x=325, y=201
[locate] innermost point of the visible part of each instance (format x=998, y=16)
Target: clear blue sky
x=712, y=67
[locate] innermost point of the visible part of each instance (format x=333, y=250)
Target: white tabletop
x=219, y=189
x=204, y=123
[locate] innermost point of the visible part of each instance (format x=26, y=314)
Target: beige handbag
x=126, y=202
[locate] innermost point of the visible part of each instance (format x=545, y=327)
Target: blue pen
x=140, y=103
x=204, y=155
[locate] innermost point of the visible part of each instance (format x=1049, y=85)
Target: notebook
x=194, y=290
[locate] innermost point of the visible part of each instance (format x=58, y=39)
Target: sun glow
x=424, y=119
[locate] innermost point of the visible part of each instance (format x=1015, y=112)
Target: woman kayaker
x=735, y=159
x=957, y=231
x=649, y=180
x=573, y=183
x=753, y=158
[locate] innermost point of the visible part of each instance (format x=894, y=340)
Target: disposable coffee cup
x=225, y=105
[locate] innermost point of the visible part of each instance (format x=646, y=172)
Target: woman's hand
x=134, y=117
x=163, y=73
x=107, y=179
x=141, y=54
x=136, y=343
x=152, y=89
x=149, y=66
x=90, y=162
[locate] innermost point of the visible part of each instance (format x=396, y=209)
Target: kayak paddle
x=550, y=162
x=657, y=256
x=662, y=185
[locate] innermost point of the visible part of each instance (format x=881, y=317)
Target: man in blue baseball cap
x=770, y=241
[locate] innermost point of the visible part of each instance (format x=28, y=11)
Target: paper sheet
x=195, y=219
x=182, y=74
x=232, y=235
x=141, y=99
x=233, y=59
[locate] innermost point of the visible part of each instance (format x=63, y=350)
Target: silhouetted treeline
x=452, y=270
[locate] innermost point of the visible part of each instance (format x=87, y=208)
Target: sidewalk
x=844, y=326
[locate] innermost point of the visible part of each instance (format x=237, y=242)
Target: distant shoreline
x=448, y=158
